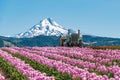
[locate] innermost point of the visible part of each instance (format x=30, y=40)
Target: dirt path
x=4, y=74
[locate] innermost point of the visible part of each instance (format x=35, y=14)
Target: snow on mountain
x=47, y=27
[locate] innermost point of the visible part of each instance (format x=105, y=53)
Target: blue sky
x=95, y=17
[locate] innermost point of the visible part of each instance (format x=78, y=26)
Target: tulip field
x=59, y=63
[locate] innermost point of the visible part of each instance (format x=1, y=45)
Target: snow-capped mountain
x=47, y=27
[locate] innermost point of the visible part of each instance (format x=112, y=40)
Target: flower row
x=83, y=54
x=86, y=51
x=26, y=69
x=79, y=63
x=62, y=67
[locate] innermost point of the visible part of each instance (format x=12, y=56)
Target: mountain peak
x=49, y=21
x=47, y=27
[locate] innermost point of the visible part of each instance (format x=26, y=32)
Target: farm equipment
x=72, y=39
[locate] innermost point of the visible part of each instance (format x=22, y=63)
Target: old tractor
x=71, y=39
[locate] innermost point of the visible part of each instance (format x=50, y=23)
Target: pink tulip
x=21, y=66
